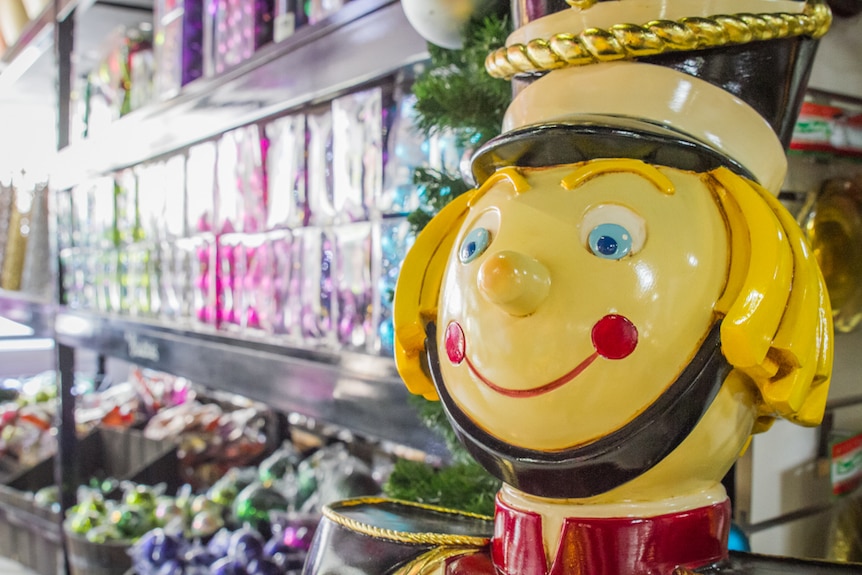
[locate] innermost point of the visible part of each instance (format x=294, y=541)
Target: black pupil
x=607, y=245
x=469, y=249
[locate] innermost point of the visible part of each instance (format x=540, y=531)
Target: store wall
x=787, y=475
x=28, y=136
x=836, y=67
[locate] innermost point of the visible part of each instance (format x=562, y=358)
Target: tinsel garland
x=453, y=95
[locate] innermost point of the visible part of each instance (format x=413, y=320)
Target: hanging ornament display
x=443, y=22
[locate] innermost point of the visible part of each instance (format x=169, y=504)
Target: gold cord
x=332, y=514
x=629, y=41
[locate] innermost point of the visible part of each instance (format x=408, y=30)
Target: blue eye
x=610, y=241
x=474, y=245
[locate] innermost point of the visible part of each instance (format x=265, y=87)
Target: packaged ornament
x=13, y=21
x=82, y=215
x=143, y=269
x=259, y=304
x=65, y=218
x=320, y=178
x=407, y=150
x=200, y=187
x=317, y=10
x=353, y=285
x=16, y=239
x=230, y=277
x=179, y=44
x=152, y=196
x=357, y=153
x=316, y=298
x=201, y=252
x=37, y=274
x=243, y=280
x=241, y=181
x=228, y=186
x=177, y=264
x=238, y=30
x=285, y=249
x=6, y=196
x=286, y=172
x=122, y=78
x=126, y=214
x=392, y=239
x=253, y=147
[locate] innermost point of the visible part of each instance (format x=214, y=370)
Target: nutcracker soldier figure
x=619, y=304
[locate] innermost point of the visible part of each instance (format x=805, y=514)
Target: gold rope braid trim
x=629, y=41
x=405, y=536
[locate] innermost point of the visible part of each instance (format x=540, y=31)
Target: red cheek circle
x=614, y=337
x=455, y=344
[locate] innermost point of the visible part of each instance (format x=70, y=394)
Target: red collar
x=611, y=546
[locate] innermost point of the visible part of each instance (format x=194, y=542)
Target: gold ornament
x=581, y=4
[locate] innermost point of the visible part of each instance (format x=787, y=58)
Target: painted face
x=575, y=295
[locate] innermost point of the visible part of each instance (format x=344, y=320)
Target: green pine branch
x=453, y=95
x=462, y=486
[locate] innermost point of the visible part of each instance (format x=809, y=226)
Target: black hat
x=652, y=80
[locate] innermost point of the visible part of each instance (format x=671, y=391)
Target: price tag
x=284, y=26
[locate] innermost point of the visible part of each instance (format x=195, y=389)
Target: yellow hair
x=777, y=326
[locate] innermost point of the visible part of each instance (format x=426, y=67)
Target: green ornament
x=254, y=503
x=167, y=509
x=223, y=492
x=142, y=496
x=277, y=466
x=130, y=521
x=91, y=502
x=48, y=497
x=103, y=534
x=306, y=479
x=202, y=503
x=84, y=520
x=206, y=523
x=109, y=485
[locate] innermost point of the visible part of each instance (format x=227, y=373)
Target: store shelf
x=35, y=41
x=364, y=41
x=28, y=69
x=359, y=392
x=32, y=312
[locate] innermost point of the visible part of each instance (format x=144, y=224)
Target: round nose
x=515, y=282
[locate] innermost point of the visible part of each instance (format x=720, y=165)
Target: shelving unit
x=358, y=392
x=365, y=41
x=34, y=313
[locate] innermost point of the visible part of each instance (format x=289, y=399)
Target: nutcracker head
x=622, y=301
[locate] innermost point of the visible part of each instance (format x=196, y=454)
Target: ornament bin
x=31, y=534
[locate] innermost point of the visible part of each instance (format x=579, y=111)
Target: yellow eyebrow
x=598, y=167
x=510, y=174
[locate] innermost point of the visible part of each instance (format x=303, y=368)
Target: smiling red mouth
x=613, y=337
x=542, y=389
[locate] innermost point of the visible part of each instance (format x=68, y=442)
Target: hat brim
x=591, y=137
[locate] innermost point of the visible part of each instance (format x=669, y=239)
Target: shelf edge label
x=141, y=349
